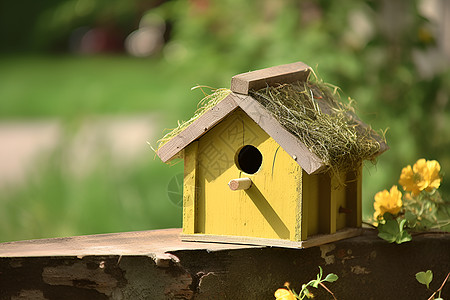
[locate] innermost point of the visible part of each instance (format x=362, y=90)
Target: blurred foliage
x=47, y=25
x=374, y=50
x=71, y=87
x=63, y=199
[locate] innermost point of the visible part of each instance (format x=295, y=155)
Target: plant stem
x=440, y=289
x=369, y=224
x=323, y=285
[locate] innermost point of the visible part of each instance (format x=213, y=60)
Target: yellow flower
x=434, y=178
x=390, y=202
x=409, y=181
x=283, y=294
x=424, y=175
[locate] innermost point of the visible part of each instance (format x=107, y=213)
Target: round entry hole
x=249, y=159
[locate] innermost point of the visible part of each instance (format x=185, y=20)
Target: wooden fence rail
x=157, y=265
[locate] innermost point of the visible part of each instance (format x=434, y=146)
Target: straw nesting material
x=313, y=113
x=208, y=102
x=327, y=127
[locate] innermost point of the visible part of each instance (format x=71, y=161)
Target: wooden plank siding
x=190, y=187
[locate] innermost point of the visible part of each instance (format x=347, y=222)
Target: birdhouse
x=251, y=176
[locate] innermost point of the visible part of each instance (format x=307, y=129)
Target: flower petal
x=422, y=174
x=407, y=180
x=283, y=294
x=390, y=202
x=434, y=178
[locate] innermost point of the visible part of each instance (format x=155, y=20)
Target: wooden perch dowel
x=240, y=184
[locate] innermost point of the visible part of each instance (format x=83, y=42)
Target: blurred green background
x=72, y=62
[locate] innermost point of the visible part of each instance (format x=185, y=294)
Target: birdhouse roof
x=242, y=96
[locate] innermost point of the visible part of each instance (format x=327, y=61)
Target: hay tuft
x=328, y=128
x=209, y=101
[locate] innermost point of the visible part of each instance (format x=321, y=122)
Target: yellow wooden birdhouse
x=254, y=170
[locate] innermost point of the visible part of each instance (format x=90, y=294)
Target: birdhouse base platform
x=312, y=241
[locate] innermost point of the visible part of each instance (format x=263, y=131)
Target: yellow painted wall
x=338, y=199
x=269, y=209
x=190, y=187
x=353, y=198
x=318, y=202
x=310, y=196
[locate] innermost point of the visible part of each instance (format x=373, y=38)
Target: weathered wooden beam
x=258, y=79
x=158, y=265
x=123, y=243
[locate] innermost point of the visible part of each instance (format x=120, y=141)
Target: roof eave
x=198, y=128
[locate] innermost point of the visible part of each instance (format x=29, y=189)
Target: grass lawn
x=73, y=86
x=55, y=202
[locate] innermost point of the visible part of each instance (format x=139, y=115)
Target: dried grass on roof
x=209, y=101
x=312, y=112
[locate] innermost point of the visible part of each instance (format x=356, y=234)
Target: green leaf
x=389, y=230
x=387, y=237
x=403, y=237
x=392, y=231
x=401, y=225
x=425, y=277
x=331, y=277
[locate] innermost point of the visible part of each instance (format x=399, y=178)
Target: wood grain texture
x=199, y=127
x=320, y=204
x=324, y=198
x=150, y=242
x=354, y=198
x=290, y=143
x=311, y=242
x=322, y=239
x=258, y=79
x=190, y=187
